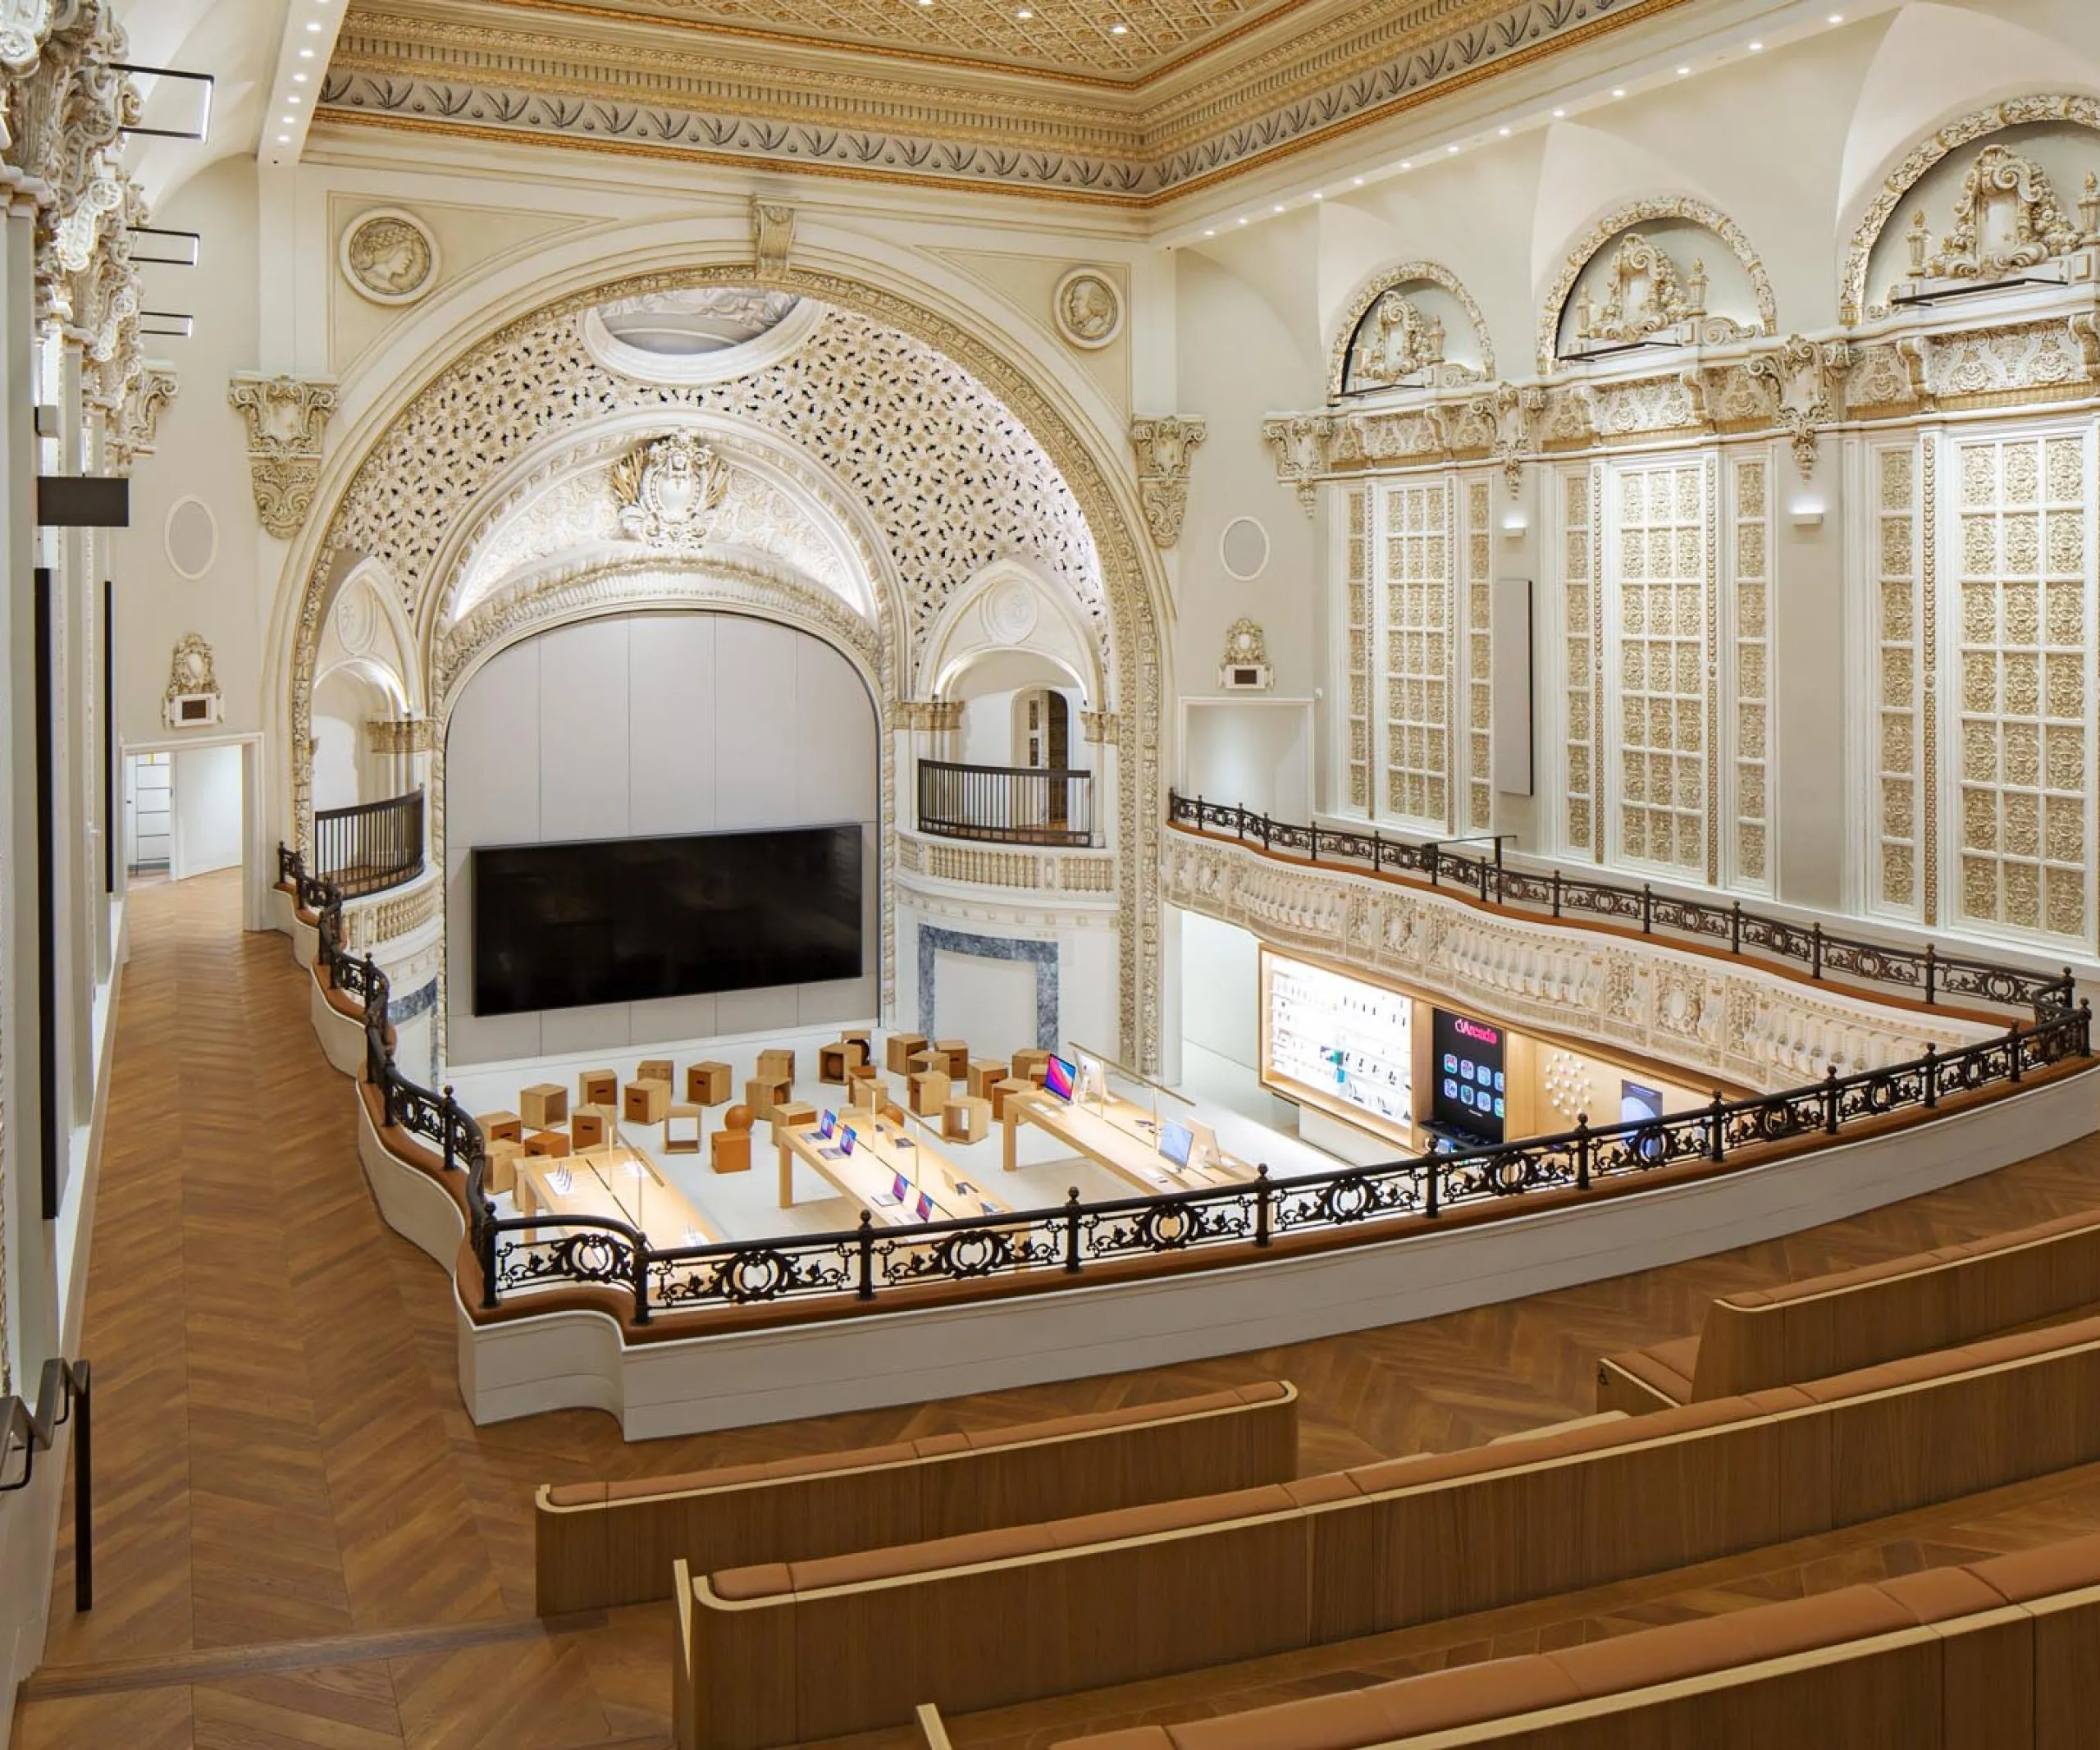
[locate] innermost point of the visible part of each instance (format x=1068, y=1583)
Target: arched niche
x=1670, y=267
x=1413, y=324
x=2055, y=133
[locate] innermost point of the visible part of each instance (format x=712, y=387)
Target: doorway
x=183, y=813
x=1042, y=740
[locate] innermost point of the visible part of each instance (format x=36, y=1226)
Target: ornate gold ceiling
x=1041, y=97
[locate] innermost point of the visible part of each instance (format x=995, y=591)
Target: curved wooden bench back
x=599, y=1544
x=1854, y=1318
x=813, y=1650
x=1994, y=1655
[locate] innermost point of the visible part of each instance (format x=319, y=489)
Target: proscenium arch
x=665, y=583
x=2074, y=108
x=1375, y=286
x=1624, y=217
x=1133, y=582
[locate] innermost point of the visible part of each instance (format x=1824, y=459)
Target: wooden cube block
x=967, y=1120
x=762, y=1092
x=729, y=1149
x=793, y=1115
x=709, y=1083
x=586, y=1128
x=499, y=1165
x=546, y=1142
x=838, y=1060
x=543, y=1105
x=778, y=1061
x=500, y=1126
x=928, y=1059
x=984, y=1072
x=902, y=1047
x=644, y=1102
x=1001, y=1091
x=654, y=1069
x=598, y=1088
x=860, y=1034
x=957, y=1052
x=928, y=1091
x=1031, y=1065
x=682, y=1128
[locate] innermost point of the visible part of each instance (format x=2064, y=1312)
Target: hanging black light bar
x=203, y=129
x=181, y=246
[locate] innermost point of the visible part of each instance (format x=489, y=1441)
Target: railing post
x=1815, y=949
x=1265, y=832
x=1932, y=1074
x=1647, y=909
x=1582, y=1151
x=867, y=1249
x=1932, y=971
x=1713, y=1127
x=1483, y=881
x=640, y=1269
x=1556, y=893
x=1072, y=1231
x=1830, y=1101
x=1429, y=1162
x=485, y=1245
x=1735, y=927
x=451, y=1107
x=1315, y=841
x=2013, y=1048
x=1261, y=1204
x=1435, y=861
x=84, y=1487
x=2085, y=1026
x=1377, y=852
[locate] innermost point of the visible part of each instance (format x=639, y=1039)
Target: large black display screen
x=622, y=920
x=1469, y=1075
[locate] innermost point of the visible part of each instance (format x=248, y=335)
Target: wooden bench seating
x=599, y=1544
x=2002, y=1654
x=791, y=1651
x=1856, y=1318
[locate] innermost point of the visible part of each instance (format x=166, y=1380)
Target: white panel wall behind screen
x=642, y=726
x=1221, y=990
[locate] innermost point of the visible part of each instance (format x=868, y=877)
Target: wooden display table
x=1118, y=1134
x=543, y=1105
x=881, y=1151
x=619, y=1185
x=709, y=1084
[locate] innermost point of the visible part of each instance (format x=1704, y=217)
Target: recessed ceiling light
x=1503, y=132
x=1023, y=13
x=1359, y=183
x=1316, y=195
x=1620, y=92
x=1836, y=18
x=1119, y=29
x=298, y=78
x=1210, y=233
x=306, y=54
x=291, y=96
x=1757, y=49
x=1450, y=148
x=1560, y=115
x=1405, y=164
x=1242, y=219
x=1683, y=71
x=284, y=139
x=1278, y=207
x=284, y=122
x=312, y=27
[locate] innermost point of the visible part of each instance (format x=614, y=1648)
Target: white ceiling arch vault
x=949, y=457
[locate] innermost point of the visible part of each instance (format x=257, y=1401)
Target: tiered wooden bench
x=598, y=1544
x=1856, y=1318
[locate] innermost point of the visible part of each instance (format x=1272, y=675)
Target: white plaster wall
x=205, y=811
x=1221, y=988
x=650, y=725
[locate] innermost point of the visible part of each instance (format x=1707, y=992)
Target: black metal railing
x=1925, y=972
x=1005, y=804
x=517, y=1255
x=372, y=847
x=64, y=1391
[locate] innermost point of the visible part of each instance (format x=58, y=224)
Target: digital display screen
x=1175, y=1142
x=1469, y=1074
x=1636, y=1105
x=1339, y=1043
x=846, y=1139
x=1057, y=1078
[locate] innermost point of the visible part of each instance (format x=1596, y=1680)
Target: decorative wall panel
x=1580, y=612
x=1898, y=729
x=1418, y=591
x=1751, y=567
x=1356, y=572
x=2023, y=712
x=1662, y=643
x=1479, y=658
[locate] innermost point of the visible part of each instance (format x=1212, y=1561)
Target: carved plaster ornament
x=401, y=734
x=1098, y=727
x=1803, y=376
x=2006, y=219
x=668, y=491
x=1088, y=309
x=134, y=421
x=1643, y=295
x=1393, y=342
x=1300, y=444
x=192, y=699
x=1245, y=665
x=1164, y=446
x=390, y=256
x=285, y=417
x=773, y=236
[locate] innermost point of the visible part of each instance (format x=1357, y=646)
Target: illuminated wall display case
x=1340, y=1044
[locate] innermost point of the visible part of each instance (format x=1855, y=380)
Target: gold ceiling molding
x=699, y=84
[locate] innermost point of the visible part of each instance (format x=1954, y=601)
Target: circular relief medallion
x=1087, y=308
x=1010, y=612
x=390, y=256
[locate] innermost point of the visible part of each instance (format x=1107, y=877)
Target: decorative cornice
x=1164, y=446
x=401, y=734
x=285, y=417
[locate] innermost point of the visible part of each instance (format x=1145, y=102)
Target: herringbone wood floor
x=302, y=1540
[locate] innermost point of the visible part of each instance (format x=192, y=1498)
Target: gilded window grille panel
x=1479, y=658
x=1752, y=665
x=1664, y=634
x=1357, y=584
x=1579, y=590
x=2022, y=703
x=1898, y=740
x=1419, y=589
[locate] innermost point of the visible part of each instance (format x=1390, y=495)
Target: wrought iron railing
x=372, y=847
x=1005, y=804
x=518, y=1255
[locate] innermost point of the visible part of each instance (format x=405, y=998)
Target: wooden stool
x=762, y=1092
x=793, y=1115
x=598, y=1088
x=730, y=1147
x=676, y=1141
x=967, y=1120
x=546, y=1142
x=928, y=1091
x=1031, y=1066
x=586, y=1128
x=644, y=1102
x=543, y=1105
x=778, y=1061
x=837, y=1061
x=929, y=1059
x=956, y=1051
x=1002, y=1091
x=499, y=1165
x=984, y=1072
x=708, y=1083
x=500, y=1126
x=656, y=1069
x=902, y=1047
